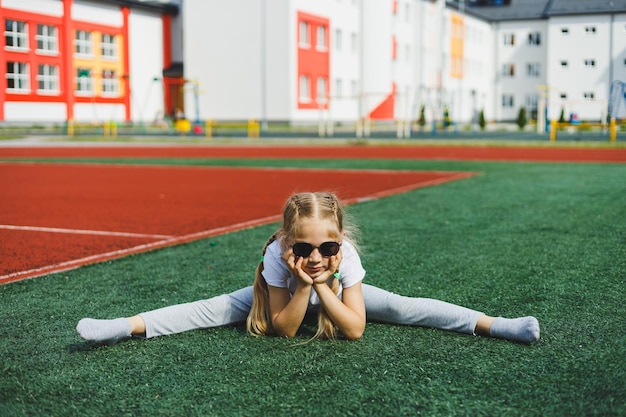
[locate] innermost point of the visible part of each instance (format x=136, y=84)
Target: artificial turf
x=518, y=239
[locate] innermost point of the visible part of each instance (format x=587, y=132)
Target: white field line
x=169, y=241
x=82, y=232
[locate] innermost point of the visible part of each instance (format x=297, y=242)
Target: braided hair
x=320, y=205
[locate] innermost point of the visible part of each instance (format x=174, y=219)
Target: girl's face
x=316, y=232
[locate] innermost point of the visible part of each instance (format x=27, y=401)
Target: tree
x=481, y=120
x=446, y=118
x=421, y=121
x=521, y=118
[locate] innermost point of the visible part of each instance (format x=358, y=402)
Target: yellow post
x=253, y=128
x=70, y=127
x=552, y=130
x=612, y=130
x=107, y=128
x=208, y=128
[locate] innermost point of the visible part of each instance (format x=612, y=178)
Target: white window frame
x=18, y=75
x=533, y=69
x=108, y=46
x=84, y=85
x=338, y=39
x=534, y=38
x=47, y=39
x=508, y=101
x=110, y=83
x=305, y=36
x=320, y=90
x=589, y=95
x=564, y=63
x=508, y=70
x=17, y=32
x=320, y=38
x=591, y=30
x=83, y=44
x=590, y=63
x=305, y=89
x=508, y=39
x=338, y=87
x=354, y=43
x=47, y=79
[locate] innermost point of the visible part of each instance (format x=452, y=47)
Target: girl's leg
x=217, y=311
x=384, y=306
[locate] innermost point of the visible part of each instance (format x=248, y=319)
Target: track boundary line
x=83, y=232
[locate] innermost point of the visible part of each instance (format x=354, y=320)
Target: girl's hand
x=295, y=266
x=333, y=266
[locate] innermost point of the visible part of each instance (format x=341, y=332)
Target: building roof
x=505, y=10
x=164, y=7
x=573, y=7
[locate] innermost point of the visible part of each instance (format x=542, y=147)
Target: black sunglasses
x=327, y=249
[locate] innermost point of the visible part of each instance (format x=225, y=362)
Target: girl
x=310, y=264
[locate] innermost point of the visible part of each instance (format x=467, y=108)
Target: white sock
x=107, y=332
x=522, y=329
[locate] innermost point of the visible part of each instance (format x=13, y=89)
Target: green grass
x=521, y=238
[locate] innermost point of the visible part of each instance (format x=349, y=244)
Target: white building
x=302, y=61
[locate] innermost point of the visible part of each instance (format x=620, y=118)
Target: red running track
x=465, y=153
x=55, y=217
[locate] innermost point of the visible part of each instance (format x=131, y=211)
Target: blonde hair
x=319, y=205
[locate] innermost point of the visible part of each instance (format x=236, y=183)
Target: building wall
x=73, y=61
x=579, y=60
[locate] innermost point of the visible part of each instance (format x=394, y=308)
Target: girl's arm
x=348, y=314
x=287, y=311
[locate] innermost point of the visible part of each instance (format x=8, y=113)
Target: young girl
x=310, y=265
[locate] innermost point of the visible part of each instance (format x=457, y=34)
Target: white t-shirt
x=277, y=274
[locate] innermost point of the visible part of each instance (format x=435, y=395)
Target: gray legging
x=380, y=306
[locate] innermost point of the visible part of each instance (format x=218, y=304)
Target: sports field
x=107, y=231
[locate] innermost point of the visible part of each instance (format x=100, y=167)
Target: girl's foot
x=107, y=332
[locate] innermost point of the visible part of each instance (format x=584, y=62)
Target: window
x=338, y=88
x=565, y=31
x=17, y=77
x=321, y=90
x=15, y=34
x=508, y=70
x=563, y=96
x=354, y=88
x=590, y=63
x=564, y=64
x=534, y=38
x=108, y=47
x=507, y=101
x=320, y=42
x=338, y=39
x=509, y=39
x=533, y=69
x=84, y=81
x=305, y=89
x=590, y=29
x=532, y=101
x=110, y=83
x=82, y=43
x=47, y=39
x=47, y=79
x=354, y=43
x=589, y=95
x=304, y=35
